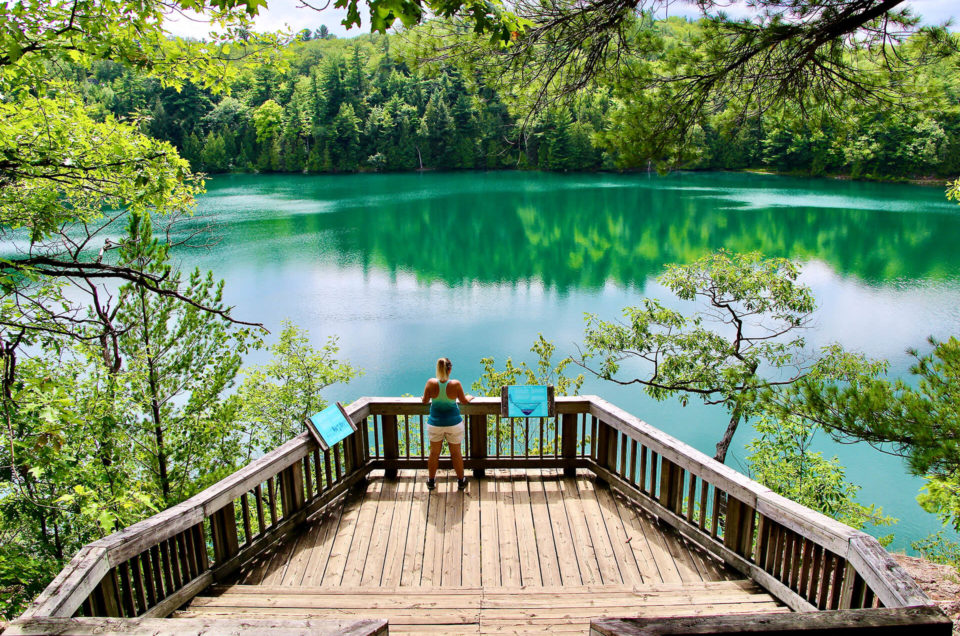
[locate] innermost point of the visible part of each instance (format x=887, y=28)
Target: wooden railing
x=154, y=566
x=807, y=560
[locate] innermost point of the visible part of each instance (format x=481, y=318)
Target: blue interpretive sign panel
x=331, y=425
x=528, y=401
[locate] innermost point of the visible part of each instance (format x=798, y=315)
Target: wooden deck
x=517, y=552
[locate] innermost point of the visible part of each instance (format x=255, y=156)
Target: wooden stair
x=490, y=610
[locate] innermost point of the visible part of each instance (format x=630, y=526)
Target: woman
x=445, y=421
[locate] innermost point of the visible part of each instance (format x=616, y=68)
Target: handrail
x=154, y=566
x=807, y=560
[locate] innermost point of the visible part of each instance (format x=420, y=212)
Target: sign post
x=527, y=401
x=331, y=425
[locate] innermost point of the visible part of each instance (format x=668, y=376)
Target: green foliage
x=545, y=373
x=181, y=360
x=275, y=398
x=917, y=420
x=939, y=549
x=745, y=338
x=267, y=119
x=780, y=458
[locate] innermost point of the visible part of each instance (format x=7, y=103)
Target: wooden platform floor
x=509, y=529
x=494, y=610
x=517, y=552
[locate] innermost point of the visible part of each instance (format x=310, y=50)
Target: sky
x=292, y=15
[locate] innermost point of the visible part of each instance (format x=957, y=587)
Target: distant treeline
x=347, y=105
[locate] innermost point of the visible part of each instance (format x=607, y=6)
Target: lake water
x=407, y=268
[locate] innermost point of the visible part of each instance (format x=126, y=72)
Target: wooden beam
x=391, y=441
x=72, y=585
x=900, y=621
x=568, y=441
x=210, y=626
x=490, y=463
x=884, y=576
x=223, y=527
x=478, y=441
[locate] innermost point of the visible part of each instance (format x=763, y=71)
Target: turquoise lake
x=407, y=268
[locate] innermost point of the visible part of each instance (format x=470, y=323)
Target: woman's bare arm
x=428, y=391
x=460, y=394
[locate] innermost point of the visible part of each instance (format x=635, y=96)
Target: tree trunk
x=155, y=403
x=724, y=444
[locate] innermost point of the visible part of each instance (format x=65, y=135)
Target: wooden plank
x=452, y=555
x=282, y=554
x=510, y=573
x=890, y=582
x=72, y=585
x=380, y=533
x=567, y=556
x=636, y=536
x=339, y=550
x=543, y=530
x=320, y=553
x=602, y=544
x=667, y=554
x=300, y=558
x=212, y=626
x=433, y=539
x=813, y=525
x=489, y=532
x=527, y=541
x=414, y=547
x=410, y=599
x=582, y=541
x=181, y=596
x=359, y=547
x=399, y=526
x=395, y=616
x=472, y=545
x=888, y=622
x=620, y=539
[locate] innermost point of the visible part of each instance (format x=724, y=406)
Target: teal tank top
x=443, y=410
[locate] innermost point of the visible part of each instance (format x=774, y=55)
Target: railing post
x=223, y=527
x=606, y=447
x=478, y=440
x=391, y=443
x=671, y=486
x=568, y=442
x=105, y=597
x=291, y=489
x=738, y=527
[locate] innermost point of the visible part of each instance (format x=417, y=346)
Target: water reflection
x=581, y=232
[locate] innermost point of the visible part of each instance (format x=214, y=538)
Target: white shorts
x=452, y=434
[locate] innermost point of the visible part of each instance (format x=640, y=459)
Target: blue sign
x=528, y=401
x=331, y=425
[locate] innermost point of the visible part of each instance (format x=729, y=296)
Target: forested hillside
x=335, y=105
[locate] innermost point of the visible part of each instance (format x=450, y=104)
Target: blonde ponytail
x=443, y=369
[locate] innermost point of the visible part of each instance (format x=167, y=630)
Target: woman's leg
x=457, y=458
x=433, y=461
